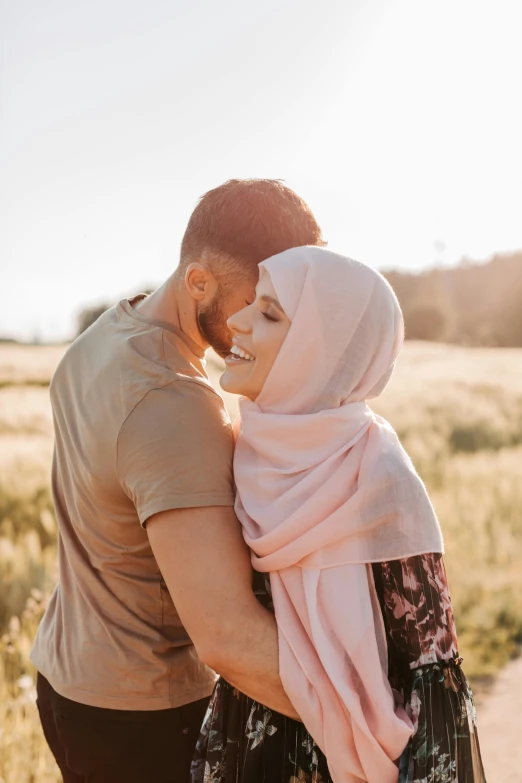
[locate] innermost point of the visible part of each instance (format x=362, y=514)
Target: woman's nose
x=239, y=322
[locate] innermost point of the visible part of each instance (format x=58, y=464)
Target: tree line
x=472, y=304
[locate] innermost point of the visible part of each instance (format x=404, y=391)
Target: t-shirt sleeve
x=175, y=450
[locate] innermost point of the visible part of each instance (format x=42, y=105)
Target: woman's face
x=259, y=331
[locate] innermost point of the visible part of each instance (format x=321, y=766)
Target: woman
x=345, y=543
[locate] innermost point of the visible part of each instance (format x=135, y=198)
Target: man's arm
x=206, y=566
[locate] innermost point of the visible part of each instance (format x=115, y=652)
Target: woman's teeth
x=238, y=353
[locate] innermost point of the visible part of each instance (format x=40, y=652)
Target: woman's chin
x=229, y=382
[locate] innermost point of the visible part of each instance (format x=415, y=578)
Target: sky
x=397, y=121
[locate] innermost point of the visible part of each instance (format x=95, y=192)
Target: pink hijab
x=323, y=489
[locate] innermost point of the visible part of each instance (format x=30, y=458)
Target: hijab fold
x=324, y=488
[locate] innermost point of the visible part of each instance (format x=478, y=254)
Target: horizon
x=50, y=341
x=385, y=116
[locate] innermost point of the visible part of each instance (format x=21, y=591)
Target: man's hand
x=206, y=566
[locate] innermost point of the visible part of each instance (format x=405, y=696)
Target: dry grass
x=459, y=414
x=28, y=364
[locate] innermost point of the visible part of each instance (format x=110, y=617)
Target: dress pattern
x=242, y=741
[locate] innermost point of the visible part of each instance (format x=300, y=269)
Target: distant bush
x=89, y=315
x=474, y=437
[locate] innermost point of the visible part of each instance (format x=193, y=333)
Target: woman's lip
x=237, y=360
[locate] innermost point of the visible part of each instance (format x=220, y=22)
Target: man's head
x=233, y=228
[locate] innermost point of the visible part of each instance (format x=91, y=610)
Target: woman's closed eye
x=269, y=317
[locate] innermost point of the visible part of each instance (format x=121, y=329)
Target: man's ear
x=200, y=282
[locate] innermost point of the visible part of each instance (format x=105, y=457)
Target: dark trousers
x=95, y=745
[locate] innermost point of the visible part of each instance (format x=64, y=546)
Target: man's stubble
x=212, y=322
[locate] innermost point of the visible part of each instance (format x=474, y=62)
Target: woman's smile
x=238, y=354
x=259, y=331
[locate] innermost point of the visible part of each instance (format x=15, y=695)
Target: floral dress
x=242, y=741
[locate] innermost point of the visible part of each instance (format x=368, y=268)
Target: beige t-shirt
x=138, y=430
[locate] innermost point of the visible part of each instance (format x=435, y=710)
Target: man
x=154, y=590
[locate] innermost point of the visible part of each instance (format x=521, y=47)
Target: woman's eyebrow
x=271, y=300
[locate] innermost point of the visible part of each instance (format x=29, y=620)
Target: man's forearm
x=231, y=631
x=249, y=661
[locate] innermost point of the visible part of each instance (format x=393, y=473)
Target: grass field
x=459, y=414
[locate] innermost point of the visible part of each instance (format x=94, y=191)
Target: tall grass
x=24, y=755
x=459, y=414
x=478, y=498
x=27, y=574
x=27, y=554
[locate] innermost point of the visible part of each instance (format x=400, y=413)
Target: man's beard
x=212, y=324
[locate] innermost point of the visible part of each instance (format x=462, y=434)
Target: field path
x=500, y=726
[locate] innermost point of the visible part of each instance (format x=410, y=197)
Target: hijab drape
x=324, y=489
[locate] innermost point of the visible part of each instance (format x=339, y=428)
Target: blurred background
x=399, y=123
